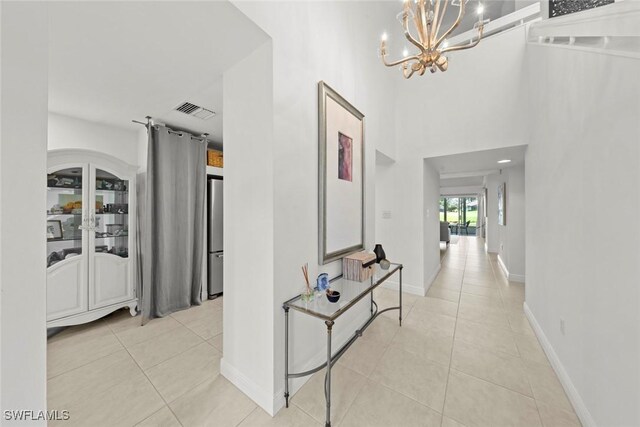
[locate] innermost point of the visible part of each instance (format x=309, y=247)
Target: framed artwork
x=502, y=219
x=54, y=229
x=341, y=176
x=565, y=7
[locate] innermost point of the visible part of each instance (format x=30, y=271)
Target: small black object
x=53, y=258
x=333, y=296
x=380, y=255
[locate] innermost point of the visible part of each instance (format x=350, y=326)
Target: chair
x=465, y=227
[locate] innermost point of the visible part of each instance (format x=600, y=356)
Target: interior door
x=110, y=266
x=67, y=246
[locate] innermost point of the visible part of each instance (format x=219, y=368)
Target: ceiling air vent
x=195, y=110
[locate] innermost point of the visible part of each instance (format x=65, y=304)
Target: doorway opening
x=461, y=213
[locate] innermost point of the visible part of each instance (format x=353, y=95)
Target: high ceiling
x=111, y=62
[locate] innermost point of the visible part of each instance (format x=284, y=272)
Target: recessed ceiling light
x=504, y=161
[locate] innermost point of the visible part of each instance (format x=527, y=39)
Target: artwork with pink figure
x=345, y=157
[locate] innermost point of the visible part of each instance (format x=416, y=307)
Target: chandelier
x=427, y=17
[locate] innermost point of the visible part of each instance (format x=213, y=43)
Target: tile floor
x=465, y=356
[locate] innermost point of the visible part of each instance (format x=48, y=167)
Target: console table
x=350, y=293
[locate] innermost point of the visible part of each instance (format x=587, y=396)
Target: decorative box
x=215, y=158
x=358, y=266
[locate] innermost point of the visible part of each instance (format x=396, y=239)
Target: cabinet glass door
x=111, y=221
x=66, y=240
x=110, y=266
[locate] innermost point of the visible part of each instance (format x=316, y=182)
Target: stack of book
x=359, y=266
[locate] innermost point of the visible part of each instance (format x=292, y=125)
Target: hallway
x=465, y=356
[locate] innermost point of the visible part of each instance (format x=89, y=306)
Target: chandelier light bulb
x=384, y=37
x=480, y=9
x=405, y=52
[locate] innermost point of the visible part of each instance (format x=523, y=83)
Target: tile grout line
x=248, y=415
x=453, y=341
x=150, y=382
x=88, y=363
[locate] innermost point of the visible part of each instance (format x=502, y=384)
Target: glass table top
x=350, y=293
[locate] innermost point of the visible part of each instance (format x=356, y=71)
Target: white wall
x=305, y=52
x=248, y=227
x=23, y=148
x=508, y=241
x=475, y=105
x=431, y=217
x=71, y=132
x=492, y=240
x=516, y=243
x=386, y=189
x=583, y=175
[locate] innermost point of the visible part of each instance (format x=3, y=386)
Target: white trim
x=502, y=24
x=520, y=278
x=248, y=387
x=576, y=400
x=431, y=279
x=213, y=170
x=503, y=267
x=611, y=30
x=406, y=288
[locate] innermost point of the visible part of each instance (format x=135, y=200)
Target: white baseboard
x=503, y=267
x=520, y=278
x=252, y=390
x=406, y=288
x=576, y=400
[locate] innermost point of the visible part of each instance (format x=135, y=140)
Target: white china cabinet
x=91, y=228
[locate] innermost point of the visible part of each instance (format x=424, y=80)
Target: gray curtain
x=173, y=222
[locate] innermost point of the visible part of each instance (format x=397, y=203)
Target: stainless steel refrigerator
x=214, y=242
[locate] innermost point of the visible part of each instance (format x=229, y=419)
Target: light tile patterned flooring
x=465, y=356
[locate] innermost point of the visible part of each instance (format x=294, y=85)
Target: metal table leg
x=327, y=380
x=286, y=355
x=400, y=287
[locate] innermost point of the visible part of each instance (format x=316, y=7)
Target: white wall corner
x=431, y=279
x=576, y=400
x=262, y=398
x=520, y=278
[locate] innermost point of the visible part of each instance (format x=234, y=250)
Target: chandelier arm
x=407, y=34
x=440, y=18
x=463, y=47
x=454, y=26
x=408, y=76
x=434, y=21
x=424, y=24
x=400, y=61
